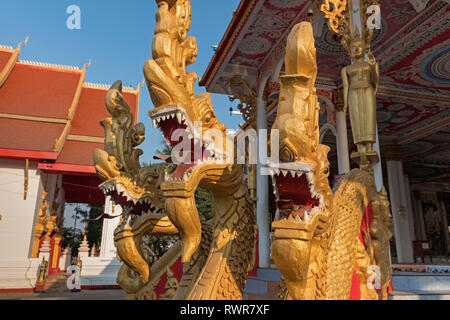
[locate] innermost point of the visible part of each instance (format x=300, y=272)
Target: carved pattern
x=247, y=105
x=225, y=244
x=316, y=242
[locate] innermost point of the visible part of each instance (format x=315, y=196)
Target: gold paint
x=42, y=272
x=9, y=66
x=247, y=105
x=25, y=184
x=317, y=256
x=32, y=118
x=339, y=19
x=335, y=12
x=58, y=239
x=217, y=254
x=41, y=224
x=171, y=286
x=360, y=81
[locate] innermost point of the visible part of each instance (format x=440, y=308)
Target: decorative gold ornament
x=316, y=242
x=42, y=272
x=335, y=12
x=41, y=224
x=360, y=81
x=171, y=286
x=217, y=254
x=25, y=184
x=247, y=105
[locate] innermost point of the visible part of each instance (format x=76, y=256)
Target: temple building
x=413, y=107
x=49, y=128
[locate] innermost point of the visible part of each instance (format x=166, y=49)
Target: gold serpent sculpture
x=160, y=200
x=317, y=244
x=322, y=238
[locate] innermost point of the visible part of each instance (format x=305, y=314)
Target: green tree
x=205, y=203
x=83, y=217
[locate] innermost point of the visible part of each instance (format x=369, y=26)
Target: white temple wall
x=17, y=270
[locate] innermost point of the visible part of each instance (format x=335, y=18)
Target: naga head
x=187, y=121
x=135, y=188
x=300, y=177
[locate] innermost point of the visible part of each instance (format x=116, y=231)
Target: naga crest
x=135, y=188
x=160, y=200
x=186, y=120
x=301, y=176
x=317, y=238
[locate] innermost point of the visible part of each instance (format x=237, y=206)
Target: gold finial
x=87, y=65
x=24, y=42
x=140, y=84
x=25, y=187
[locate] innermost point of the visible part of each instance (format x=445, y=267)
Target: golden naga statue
x=360, y=81
x=160, y=200
x=322, y=239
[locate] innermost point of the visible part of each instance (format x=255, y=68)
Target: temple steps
x=406, y=286
x=56, y=283
x=420, y=286
x=264, y=286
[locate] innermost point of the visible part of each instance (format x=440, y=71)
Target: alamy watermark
x=374, y=279
x=74, y=281
x=242, y=147
x=73, y=22
x=374, y=20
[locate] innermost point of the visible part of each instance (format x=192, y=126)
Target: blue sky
x=117, y=36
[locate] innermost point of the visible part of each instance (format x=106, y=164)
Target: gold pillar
x=39, y=230
x=56, y=253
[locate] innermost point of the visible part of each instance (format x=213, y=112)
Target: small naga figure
x=324, y=240
x=360, y=81
x=159, y=200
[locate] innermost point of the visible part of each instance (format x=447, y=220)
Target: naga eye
x=326, y=171
x=209, y=117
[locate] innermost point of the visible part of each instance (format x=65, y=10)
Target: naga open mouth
x=176, y=129
x=295, y=192
x=131, y=204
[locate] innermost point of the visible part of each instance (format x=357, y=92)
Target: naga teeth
x=178, y=117
x=154, y=123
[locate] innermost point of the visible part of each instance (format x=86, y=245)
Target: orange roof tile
x=91, y=110
x=4, y=58
x=78, y=153
x=29, y=135
x=39, y=91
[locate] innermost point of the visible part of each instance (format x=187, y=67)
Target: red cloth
x=355, y=291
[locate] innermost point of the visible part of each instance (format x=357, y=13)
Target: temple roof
x=49, y=113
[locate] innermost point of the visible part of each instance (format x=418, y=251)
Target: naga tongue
x=183, y=213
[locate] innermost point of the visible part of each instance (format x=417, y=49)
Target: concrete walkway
x=84, y=295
